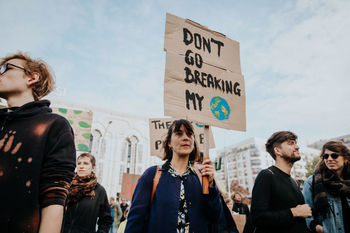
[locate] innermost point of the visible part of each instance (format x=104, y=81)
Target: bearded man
x=277, y=202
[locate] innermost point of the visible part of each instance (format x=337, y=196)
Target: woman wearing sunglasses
x=327, y=191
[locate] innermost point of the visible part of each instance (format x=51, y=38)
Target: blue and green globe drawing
x=199, y=125
x=220, y=108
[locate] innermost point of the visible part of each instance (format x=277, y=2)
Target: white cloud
x=110, y=53
x=311, y=75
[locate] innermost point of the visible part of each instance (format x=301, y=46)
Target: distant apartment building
x=299, y=169
x=242, y=162
x=318, y=145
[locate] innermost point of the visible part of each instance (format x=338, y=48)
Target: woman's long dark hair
x=335, y=146
x=175, y=126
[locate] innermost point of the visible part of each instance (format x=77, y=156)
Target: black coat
x=274, y=194
x=225, y=224
x=81, y=217
x=240, y=208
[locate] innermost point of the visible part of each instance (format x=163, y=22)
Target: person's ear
x=93, y=168
x=277, y=150
x=33, y=78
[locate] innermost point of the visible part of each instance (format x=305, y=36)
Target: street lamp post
x=102, y=141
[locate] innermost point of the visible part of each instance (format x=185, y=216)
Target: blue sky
x=294, y=56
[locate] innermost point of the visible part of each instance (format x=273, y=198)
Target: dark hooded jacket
x=82, y=217
x=37, y=162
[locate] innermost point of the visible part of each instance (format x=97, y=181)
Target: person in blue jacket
x=327, y=191
x=178, y=204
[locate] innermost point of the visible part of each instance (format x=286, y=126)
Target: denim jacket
x=334, y=221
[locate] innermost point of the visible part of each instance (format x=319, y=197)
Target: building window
x=255, y=162
x=256, y=170
x=129, y=151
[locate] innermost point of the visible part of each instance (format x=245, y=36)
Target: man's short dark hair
x=277, y=139
x=90, y=156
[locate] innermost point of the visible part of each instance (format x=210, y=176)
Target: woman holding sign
x=176, y=204
x=87, y=201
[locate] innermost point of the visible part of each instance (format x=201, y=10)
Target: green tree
x=311, y=166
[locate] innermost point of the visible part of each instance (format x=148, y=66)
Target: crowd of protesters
x=41, y=193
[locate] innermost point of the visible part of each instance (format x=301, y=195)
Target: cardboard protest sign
x=129, y=185
x=215, y=48
x=158, y=128
x=203, y=78
x=81, y=123
x=240, y=220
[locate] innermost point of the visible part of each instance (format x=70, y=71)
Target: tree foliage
x=311, y=166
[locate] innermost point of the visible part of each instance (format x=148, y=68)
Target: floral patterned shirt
x=183, y=221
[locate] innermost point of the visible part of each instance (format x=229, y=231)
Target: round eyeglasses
x=5, y=67
x=333, y=155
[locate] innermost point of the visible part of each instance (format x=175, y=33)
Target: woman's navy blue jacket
x=161, y=216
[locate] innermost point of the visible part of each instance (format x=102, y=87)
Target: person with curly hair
x=37, y=152
x=327, y=191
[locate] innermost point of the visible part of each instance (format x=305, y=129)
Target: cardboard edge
x=205, y=28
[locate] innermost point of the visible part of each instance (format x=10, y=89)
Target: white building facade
x=120, y=143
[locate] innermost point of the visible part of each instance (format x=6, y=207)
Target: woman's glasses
x=333, y=155
x=5, y=67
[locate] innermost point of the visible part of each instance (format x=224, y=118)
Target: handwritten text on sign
x=158, y=128
x=203, y=78
x=129, y=185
